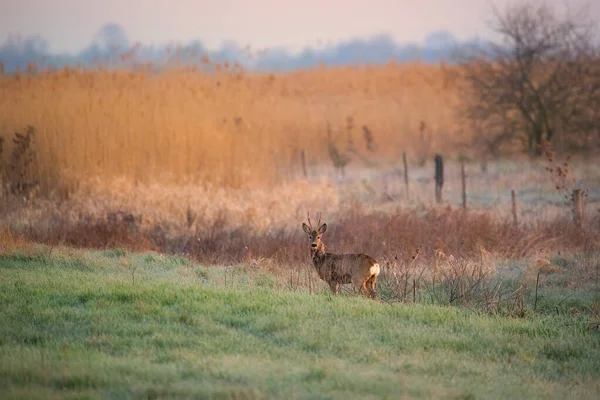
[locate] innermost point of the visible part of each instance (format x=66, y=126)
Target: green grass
x=111, y=324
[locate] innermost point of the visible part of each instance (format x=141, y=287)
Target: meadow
x=151, y=242
x=114, y=324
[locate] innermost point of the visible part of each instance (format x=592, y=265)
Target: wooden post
x=3, y=179
x=463, y=177
x=514, y=206
x=405, y=174
x=439, y=177
x=577, y=198
x=537, y=285
x=303, y=159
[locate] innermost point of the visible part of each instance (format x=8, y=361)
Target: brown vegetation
x=227, y=128
x=400, y=233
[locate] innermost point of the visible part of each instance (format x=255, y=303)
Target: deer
x=337, y=269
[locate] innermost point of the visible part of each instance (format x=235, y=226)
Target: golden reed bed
x=230, y=128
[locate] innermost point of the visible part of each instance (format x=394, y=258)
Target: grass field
x=112, y=324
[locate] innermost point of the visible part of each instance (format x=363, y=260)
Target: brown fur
x=337, y=269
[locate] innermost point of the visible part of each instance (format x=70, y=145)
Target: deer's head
x=314, y=235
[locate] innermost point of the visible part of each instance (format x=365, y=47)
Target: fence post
x=577, y=198
x=484, y=164
x=2, y=180
x=405, y=174
x=514, y=206
x=303, y=160
x=439, y=177
x=463, y=177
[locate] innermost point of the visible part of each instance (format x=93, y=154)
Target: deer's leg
x=334, y=287
x=363, y=289
x=372, y=281
x=368, y=287
x=358, y=283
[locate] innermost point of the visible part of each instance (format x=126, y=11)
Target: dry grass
x=367, y=212
x=229, y=128
x=222, y=238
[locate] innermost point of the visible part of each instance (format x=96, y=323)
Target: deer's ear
x=323, y=228
x=306, y=228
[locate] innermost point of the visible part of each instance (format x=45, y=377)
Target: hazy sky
x=69, y=25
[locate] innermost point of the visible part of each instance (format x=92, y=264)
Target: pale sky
x=69, y=25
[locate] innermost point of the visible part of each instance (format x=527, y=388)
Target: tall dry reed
x=230, y=128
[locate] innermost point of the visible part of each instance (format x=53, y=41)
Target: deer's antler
x=310, y=224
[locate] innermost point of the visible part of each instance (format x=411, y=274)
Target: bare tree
x=540, y=81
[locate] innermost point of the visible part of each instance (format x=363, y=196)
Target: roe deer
x=337, y=269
